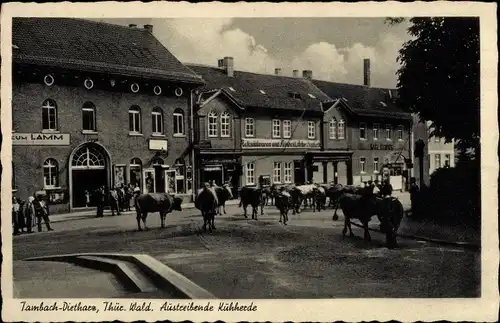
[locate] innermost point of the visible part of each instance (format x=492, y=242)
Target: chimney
x=295, y=73
x=307, y=74
x=220, y=63
x=229, y=66
x=132, y=25
x=149, y=28
x=277, y=71
x=366, y=72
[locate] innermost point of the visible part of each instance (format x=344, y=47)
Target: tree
x=439, y=76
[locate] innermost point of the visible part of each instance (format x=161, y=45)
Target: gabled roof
x=363, y=100
x=262, y=90
x=95, y=47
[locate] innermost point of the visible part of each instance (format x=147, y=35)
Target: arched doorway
x=89, y=170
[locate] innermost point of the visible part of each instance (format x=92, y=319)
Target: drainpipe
x=193, y=165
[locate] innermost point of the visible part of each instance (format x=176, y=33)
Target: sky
x=333, y=48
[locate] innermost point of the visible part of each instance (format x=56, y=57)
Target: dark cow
x=251, y=196
x=319, y=199
x=333, y=192
x=283, y=201
x=163, y=203
x=224, y=193
x=267, y=192
x=206, y=202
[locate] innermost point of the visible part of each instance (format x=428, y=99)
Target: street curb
x=467, y=245
x=161, y=275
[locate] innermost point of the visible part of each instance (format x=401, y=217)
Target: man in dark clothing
x=41, y=212
x=414, y=192
x=386, y=189
x=99, y=200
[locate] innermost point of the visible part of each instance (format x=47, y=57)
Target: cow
x=319, y=198
x=300, y=194
x=283, y=201
x=206, y=201
x=266, y=195
x=163, y=203
x=251, y=196
x=224, y=193
x=333, y=192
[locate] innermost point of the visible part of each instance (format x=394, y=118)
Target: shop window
x=250, y=174
x=50, y=173
x=388, y=132
x=362, y=165
x=49, y=115
x=288, y=172
x=157, y=121
x=89, y=116
x=277, y=172
x=180, y=179
x=333, y=128
x=287, y=129
x=212, y=124
x=341, y=133
x=362, y=131
x=225, y=125
x=178, y=122
x=311, y=130
x=249, y=127
x=134, y=119
x=276, y=128
x=375, y=131
x=135, y=172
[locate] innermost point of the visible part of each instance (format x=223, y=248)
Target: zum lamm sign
x=40, y=139
x=279, y=143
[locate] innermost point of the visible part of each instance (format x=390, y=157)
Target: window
x=333, y=128
x=400, y=132
x=135, y=172
x=288, y=172
x=88, y=117
x=178, y=122
x=224, y=124
x=250, y=172
x=375, y=131
x=447, y=160
x=287, y=129
x=388, y=130
x=277, y=172
x=179, y=179
x=437, y=161
x=50, y=173
x=49, y=115
x=362, y=164
x=276, y=128
x=134, y=119
x=157, y=116
x=212, y=124
x=311, y=130
x=375, y=165
x=437, y=139
x=249, y=127
x=341, y=133
x=362, y=130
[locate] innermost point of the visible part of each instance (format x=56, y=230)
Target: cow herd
x=360, y=203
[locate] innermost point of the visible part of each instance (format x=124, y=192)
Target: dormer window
x=232, y=89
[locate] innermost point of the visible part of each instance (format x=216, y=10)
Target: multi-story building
x=96, y=104
x=441, y=154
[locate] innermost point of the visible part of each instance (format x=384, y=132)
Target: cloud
x=208, y=40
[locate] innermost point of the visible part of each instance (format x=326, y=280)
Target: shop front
x=219, y=169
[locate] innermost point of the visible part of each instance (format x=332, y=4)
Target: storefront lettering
x=375, y=147
x=42, y=139
x=279, y=143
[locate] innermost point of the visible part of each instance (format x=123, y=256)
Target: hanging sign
x=158, y=144
x=40, y=139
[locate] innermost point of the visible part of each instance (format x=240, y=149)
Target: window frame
x=53, y=172
x=213, y=124
x=178, y=115
x=285, y=168
x=276, y=128
x=157, y=118
x=332, y=128
x=437, y=157
x=376, y=163
x=388, y=132
x=309, y=136
x=341, y=135
x=287, y=124
x=136, y=112
x=225, y=116
x=46, y=106
x=447, y=158
x=277, y=172
x=362, y=130
x=249, y=126
x=362, y=163
x=252, y=169
x=401, y=130
x=376, y=128
x=89, y=107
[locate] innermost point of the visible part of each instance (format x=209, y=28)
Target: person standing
x=99, y=200
x=386, y=188
x=15, y=216
x=29, y=213
x=41, y=212
x=87, y=198
x=114, y=202
x=414, y=195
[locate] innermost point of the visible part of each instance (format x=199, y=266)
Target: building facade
x=441, y=153
x=111, y=106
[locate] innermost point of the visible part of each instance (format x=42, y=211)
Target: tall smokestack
x=149, y=28
x=307, y=74
x=366, y=72
x=229, y=66
x=295, y=73
x=277, y=71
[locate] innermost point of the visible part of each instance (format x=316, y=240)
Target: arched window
x=134, y=119
x=178, y=122
x=157, y=116
x=225, y=125
x=49, y=115
x=341, y=130
x=88, y=158
x=50, y=173
x=135, y=172
x=333, y=128
x=88, y=116
x=212, y=124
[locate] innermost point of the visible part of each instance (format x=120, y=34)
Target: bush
x=454, y=195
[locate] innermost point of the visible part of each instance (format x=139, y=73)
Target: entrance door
x=299, y=173
x=213, y=173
